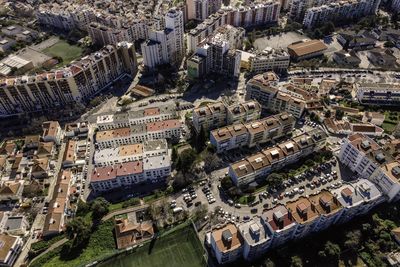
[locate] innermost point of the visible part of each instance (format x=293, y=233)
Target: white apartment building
x=138, y=116
x=166, y=129
x=387, y=94
x=217, y=54
x=339, y=11
x=227, y=244
x=252, y=133
x=165, y=46
x=132, y=152
x=256, y=239
x=243, y=16
x=269, y=59
x=75, y=83
x=298, y=8
x=201, y=9
x=365, y=157
x=357, y=198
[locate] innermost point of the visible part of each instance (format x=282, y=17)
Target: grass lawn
x=389, y=127
x=101, y=243
x=64, y=50
x=179, y=248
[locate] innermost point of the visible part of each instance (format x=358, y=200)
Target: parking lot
x=328, y=175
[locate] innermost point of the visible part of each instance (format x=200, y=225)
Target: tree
x=78, y=230
x=296, y=261
x=274, y=179
x=330, y=252
x=201, y=140
x=99, y=208
x=328, y=28
x=339, y=114
x=180, y=181
x=389, y=44
x=353, y=239
x=200, y=211
x=328, y=113
x=211, y=162
x=174, y=154
x=186, y=159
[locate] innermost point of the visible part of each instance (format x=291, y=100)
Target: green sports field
x=64, y=50
x=180, y=248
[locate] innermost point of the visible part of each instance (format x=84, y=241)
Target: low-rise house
x=10, y=249
x=227, y=244
x=14, y=224
x=40, y=168
x=396, y=234
x=11, y=191
x=393, y=258
x=382, y=58
x=348, y=59
x=6, y=44
x=355, y=41
x=69, y=154
x=51, y=132
x=130, y=234
x=79, y=129
x=31, y=142
x=375, y=118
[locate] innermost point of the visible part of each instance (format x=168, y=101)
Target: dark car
x=198, y=203
x=246, y=218
x=254, y=210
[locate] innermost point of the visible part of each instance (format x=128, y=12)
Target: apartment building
x=366, y=158
x=227, y=244
x=328, y=207
x=165, y=46
x=276, y=98
x=274, y=158
x=269, y=59
x=103, y=25
x=252, y=133
x=132, y=152
x=243, y=16
x=357, y=198
x=219, y=114
x=305, y=214
x=202, y=9
x=256, y=239
x=298, y=8
x=340, y=12
x=76, y=83
x=138, y=116
x=217, y=54
x=387, y=94
x=166, y=129
x=280, y=224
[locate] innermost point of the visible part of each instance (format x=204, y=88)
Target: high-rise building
x=75, y=83
x=165, y=46
x=202, y=9
x=340, y=12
